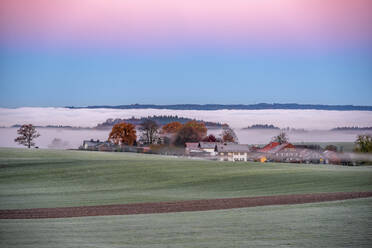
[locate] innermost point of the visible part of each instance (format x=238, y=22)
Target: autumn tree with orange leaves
x=191, y=131
x=172, y=127
x=199, y=127
x=123, y=133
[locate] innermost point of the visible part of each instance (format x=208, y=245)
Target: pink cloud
x=167, y=22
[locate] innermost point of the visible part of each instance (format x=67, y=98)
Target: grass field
x=331, y=224
x=48, y=178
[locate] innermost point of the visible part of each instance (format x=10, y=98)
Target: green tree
x=364, y=143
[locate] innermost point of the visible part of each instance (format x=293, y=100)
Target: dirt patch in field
x=178, y=206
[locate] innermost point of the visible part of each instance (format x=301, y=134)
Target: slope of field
x=330, y=224
x=47, y=178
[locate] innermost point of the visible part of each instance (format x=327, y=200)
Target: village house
x=208, y=147
x=297, y=155
x=232, y=152
x=108, y=147
x=91, y=145
x=267, y=153
x=272, y=152
x=289, y=153
x=192, y=148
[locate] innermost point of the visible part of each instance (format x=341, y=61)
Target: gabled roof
x=274, y=147
x=107, y=144
x=208, y=145
x=280, y=147
x=232, y=148
x=91, y=142
x=269, y=146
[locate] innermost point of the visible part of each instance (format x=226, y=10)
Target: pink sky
x=310, y=23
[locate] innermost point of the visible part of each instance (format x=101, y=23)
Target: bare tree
x=228, y=135
x=281, y=138
x=149, y=130
x=27, y=134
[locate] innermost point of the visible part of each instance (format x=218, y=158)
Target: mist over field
x=316, y=123
x=307, y=119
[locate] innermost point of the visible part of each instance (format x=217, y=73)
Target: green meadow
x=52, y=178
x=329, y=224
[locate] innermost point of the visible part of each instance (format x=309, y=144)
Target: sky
x=111, y=52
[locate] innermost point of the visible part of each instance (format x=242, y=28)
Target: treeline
x=262, y=126
x=160, y=120
x=236, y=106
x=352, y=128
x=173, y=133
x=52, y=126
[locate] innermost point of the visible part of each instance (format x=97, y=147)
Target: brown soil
x=178, y=206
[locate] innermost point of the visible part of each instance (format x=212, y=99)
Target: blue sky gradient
x=110, y=52
x=66, y=77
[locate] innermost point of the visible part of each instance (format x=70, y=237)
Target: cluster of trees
x=125, y=133
x=281, y=138
x=262, y=126
x=173, y=133
x=160, y=120
x=364, y=144
x=194, y=131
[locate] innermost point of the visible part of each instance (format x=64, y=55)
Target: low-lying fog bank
x=307, y=119
x=74, y=138
x=316, y=121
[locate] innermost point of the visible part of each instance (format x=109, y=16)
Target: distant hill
x=160, y=120
x=262, y=126
x=235, y=106
x=352, y=129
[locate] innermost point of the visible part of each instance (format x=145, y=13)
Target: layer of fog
x=316, y=122
x=307, y=119
x=68, y=138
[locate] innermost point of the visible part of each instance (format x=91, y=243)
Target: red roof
x=269, y=146
x=276, y=145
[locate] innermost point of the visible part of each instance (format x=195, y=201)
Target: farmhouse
x=287, y=152
x=232, y=152
x=91, y=145
x=297, y=155
x=192, y=148
x=208, y=147
x=107, y=147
